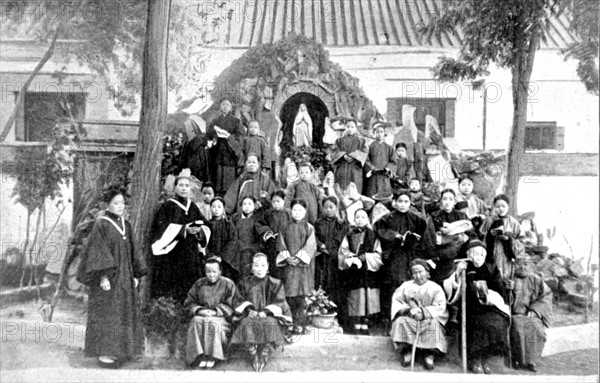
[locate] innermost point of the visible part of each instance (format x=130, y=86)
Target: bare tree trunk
x=148, y=157
x=23, y=90
x=33, y=252
x=521, y=75
x=24, y=255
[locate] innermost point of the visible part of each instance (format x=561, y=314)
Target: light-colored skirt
x=208, y=336
x=432, y=334
x=363, y=302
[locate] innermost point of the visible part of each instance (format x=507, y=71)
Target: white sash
x=185, y=208
x=121, y=231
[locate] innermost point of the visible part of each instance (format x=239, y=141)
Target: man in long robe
x=252, y=182
x=179, y=265
x=531, y=314
x=228, y=155
x=348, y=158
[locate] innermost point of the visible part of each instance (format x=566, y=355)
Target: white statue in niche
x=302, y=127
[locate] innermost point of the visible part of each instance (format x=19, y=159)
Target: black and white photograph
x=299, y=190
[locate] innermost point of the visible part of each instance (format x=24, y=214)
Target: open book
x=221, y=133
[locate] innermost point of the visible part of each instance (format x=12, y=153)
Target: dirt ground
x=17, y=355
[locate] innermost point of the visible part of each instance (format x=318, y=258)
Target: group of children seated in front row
x=359, y=266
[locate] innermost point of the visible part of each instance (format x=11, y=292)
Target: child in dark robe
x=223, y=239
x=416, y=196
x=450, y=239
x=330, y=230
x=501, y=231
x=360, y=259
x=475, y=206
x=404, y=166
x=255, y=143
x=208, y=193
x=381, y=160
x=276, y=219
x=402, y=235
x=250, y=235
x=348, y=158
x=296, y=249
x=263, y=312
x=306, y=190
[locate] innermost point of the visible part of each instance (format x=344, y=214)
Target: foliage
x=286, y=61
x=172, y=147
x=493, y=31
x=39, y=173
x=316, y=156
x=10, y=274
x=585, y=25
x=162, y=318
x=318, y=303
x=108, y=39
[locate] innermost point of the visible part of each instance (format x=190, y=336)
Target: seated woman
x=419, y=315
x=487, y=315
x=210, y=302
x=263, y=313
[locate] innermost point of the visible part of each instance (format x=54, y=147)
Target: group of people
x=245, y=257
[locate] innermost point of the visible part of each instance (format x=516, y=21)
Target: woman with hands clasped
x=111, y=269
x=210, y=302
x=419, y=314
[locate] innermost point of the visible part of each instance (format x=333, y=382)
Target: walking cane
x=414, y=347
x=510, y=303
x=463, y=319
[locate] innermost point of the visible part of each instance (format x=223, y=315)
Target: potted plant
x=320, y=309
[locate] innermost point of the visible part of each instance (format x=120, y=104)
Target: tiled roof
x=344, y=23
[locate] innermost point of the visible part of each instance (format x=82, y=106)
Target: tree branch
x=25, y=87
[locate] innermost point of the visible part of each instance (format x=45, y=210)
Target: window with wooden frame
x=544, y=135
x=442, y=109
x=41, y=111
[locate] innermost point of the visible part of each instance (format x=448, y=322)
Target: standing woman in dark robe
x=348, y=158
x=111, y=269
x=276, y=219
x=296, y=249
x=178, y=264
x=330, y=231
x=228, y=152
x=223, y=238
x=403, y=239
x=251, y=235
x=263, y=312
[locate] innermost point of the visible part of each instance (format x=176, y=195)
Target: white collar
x=121, y=231
x=185, y=208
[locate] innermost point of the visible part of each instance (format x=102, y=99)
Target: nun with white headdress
x=302, y=127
